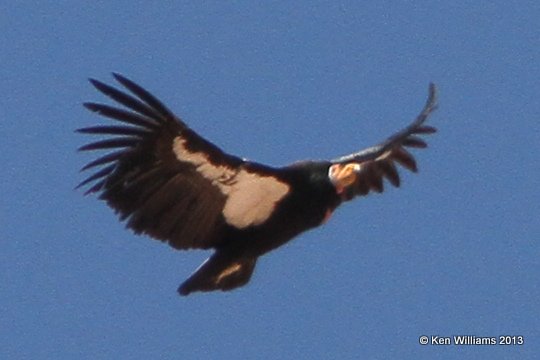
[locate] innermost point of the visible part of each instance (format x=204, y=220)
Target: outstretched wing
x=379, y=162
x=162, y=177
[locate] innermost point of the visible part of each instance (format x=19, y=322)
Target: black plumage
x=168, y=182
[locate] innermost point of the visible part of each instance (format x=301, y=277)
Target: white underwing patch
x=204, y=167
x=251, y=197
x=383, y=155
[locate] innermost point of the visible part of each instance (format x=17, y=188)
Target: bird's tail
x=221, y=271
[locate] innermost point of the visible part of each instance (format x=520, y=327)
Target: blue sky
x=453, y=252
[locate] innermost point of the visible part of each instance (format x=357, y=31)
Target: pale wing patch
x=383, y=156
x=216, y=174
x=251, y=197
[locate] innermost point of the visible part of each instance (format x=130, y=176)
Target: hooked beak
x=343, y=175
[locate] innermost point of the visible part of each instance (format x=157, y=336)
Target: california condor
x=172, y=184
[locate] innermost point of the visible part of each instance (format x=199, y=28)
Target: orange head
x=343, y=175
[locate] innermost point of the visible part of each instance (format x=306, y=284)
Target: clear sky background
x=455, y=251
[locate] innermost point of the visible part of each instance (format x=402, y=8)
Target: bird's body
x=298, y=211
x=170, y=183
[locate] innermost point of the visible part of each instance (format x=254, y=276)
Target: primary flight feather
x=172, y=184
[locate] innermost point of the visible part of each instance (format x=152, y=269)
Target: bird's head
x=343, y=175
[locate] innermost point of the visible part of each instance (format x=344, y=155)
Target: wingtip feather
x=97, y=84
x=431, y=103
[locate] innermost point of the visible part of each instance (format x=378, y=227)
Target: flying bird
x=170, y=183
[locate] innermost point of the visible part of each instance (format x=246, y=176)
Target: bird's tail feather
x=221, y=271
